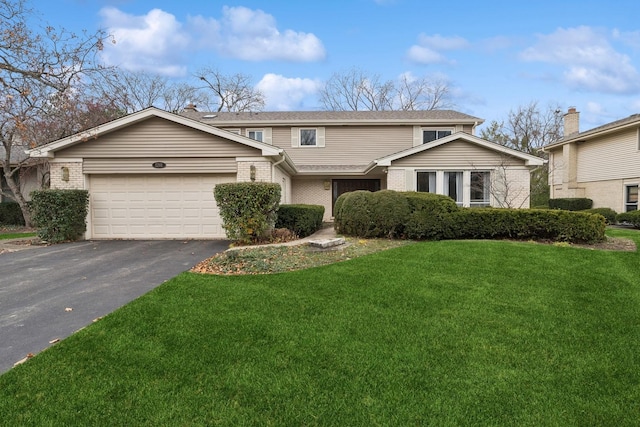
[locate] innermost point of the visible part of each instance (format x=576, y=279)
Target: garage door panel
x=159, y=206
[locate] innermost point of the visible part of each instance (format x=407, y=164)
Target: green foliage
x=10, y=214
x=248, y=209
x=631, y=217
x=353, y=216
x=429, y=217
x=60, y=214
x=608, y=214
x=389, y=212
x=571, y=204
x=303, y=220
x=526, y=224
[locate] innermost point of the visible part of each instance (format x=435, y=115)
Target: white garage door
x=155, y=206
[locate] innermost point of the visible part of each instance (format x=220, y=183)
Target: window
x=631, y=198
x=429, y=135
x=256, y=134
x=480, y=188
x=308, y=138
x=453, y=186
x=426, y=182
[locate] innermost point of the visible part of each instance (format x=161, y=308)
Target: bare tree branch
x=231, y=92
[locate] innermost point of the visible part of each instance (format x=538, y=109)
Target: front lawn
x=434, y=333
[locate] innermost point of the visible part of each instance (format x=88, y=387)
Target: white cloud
x=428, y=50
x=253, y=35
x=152, y=42
x=287, y=94
x=589, y=60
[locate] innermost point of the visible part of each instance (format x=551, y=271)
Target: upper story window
x=308, y=138
x=631, y=198
x=431, y=134
x=256, y=134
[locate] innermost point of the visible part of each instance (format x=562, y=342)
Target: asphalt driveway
x=47, y=293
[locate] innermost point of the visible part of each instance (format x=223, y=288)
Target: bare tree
x=357, y=90
x=38, y=68
x=422, y=94
x=528, y=128
x=231, y=92
x=134, y=91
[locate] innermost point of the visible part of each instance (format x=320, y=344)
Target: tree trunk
x=17, y=196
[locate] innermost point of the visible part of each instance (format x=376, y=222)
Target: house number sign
x=159, y=165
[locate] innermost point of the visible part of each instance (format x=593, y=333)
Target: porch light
x=252, y=173
x=327, y=184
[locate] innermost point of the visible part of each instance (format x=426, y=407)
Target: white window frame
x=628, y=204
x=437, y=130
x=435, y=180
x=250, y=130
x=315, y=137
x=486, y=201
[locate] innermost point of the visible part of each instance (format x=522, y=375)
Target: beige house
x=602, y=164
x=151, y=174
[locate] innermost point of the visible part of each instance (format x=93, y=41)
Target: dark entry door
x=341, y=186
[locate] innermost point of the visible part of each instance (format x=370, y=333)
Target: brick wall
x=312, y=192
x=76, y=177
x=263, y=171
x=396, y=180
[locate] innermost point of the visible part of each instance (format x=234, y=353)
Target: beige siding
x=157, y=136
x=173, y=165
x=457, y=154
x=612, y=157
x=348, y=145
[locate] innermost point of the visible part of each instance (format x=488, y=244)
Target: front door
x=341, y=186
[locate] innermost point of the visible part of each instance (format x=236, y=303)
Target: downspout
x=273, y=172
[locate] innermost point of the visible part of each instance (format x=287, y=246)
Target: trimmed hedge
x=608, y=214
x=59, y=214
x=248, y=209
x=631, y=217
x=429, y=216
x=524, y=224
x=303, y=220
x=11, y=214
x=571, y=204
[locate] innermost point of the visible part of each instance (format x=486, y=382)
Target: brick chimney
x=571, y=122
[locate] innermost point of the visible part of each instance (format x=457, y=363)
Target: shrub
x=631, y=217
x=59, y=214
x=429, y=217
x=525, y=224
x=608, y=214
x=248, y=209
x=571, y=204
x=354, y=215
x=303, y=220
x=389, y=212
x=11, y=214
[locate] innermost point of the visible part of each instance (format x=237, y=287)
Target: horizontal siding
x=157, y=137
x=612, y=157
x=457, y=154
x=173, y=165
x=348, y=145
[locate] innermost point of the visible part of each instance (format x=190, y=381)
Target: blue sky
x=496, y=55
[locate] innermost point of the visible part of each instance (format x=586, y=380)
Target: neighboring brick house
x=151, y=174
x=602, y=164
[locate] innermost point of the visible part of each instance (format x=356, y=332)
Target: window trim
x=427, y=171
x=437, y=129
x=261, y=130
x=627, y=204
x=315, y=139
x=486, y=201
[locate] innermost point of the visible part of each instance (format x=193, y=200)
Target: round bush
x=608, y=214
x=389, y=212
x=355, y=213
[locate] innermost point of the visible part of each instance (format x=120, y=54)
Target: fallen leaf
x=97, y=318
x=54, y=341
x=24, y=359
x=68, y=309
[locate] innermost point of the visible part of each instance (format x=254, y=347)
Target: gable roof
x=529, y=160
x=49, y=149
x=615, y=126
x=333, y=117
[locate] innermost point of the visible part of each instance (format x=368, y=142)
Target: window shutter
x=295, y=137
x=320, y=137
x=417, y=136
x=267, y=136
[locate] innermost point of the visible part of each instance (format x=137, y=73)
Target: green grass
x=435, y=333
x=6, y=236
